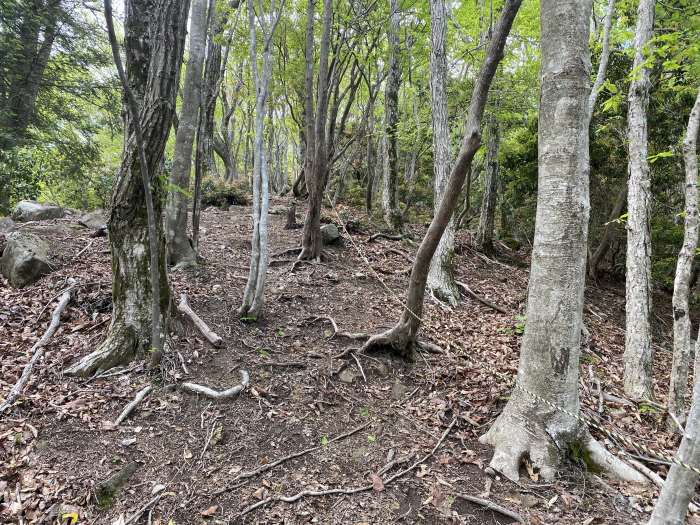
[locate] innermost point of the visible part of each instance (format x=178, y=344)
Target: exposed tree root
x=215, y=394
x=486, y=302
x=491, y=506
x=348, y=491
x=128, y=409
x=119, y=348
x=207, y=332
x=386, y=236
x=38, y=351
x=398, y=340
x=269, y=466
x=358, y=336
x=290, y=251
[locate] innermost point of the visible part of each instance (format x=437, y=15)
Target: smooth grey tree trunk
x=153, y=45
x=550, y=351
x=484, y=233
x=638, y=356
x=684, y=266
x=390, y=194
x=179, y=248
x=253, y=296
x=679, y=488
x=440, y=275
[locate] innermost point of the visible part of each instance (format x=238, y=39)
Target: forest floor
x=60, y=442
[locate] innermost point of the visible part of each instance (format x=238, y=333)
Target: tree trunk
x=679, y=487
x=402, y=337
x=681, y=285
x=608, y=234
x=638, y=354
x=440, y=275
x=390, y=193
x=253, y=296
x=549, y=356
x=179, y=248
x=154, y=42
x=316, y=164
x=484, y=234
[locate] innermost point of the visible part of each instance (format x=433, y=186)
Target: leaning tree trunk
x=550, y=351
x=638, y=354
x=253, y=296
x=390, y=193
x=608, y=234
x=679, y=487
x=440, y=275
x=402, y=337
x=154, y=43
x=179, y=248
x=316, y=164
x=681, y=285
x=484, y=233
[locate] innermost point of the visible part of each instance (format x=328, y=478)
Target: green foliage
x=520, y=322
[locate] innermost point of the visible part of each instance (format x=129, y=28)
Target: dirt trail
x=60, y=443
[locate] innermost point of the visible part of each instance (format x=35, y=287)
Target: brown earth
x=58, y=443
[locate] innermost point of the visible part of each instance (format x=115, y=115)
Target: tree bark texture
x=484, y=233
x=441, y=274
x=154, y=42
x=390, y=194
x=179, y=247
x=550, y=351
x=684, y=266
x=402, y=337
x=638, y=356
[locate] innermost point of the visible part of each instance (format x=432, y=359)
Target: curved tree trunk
x=402, y=337
x=179, y=247
x=684, y=266
x=440, y=275
x=549, y=356
x=679, y=488
x=152, y=67
x=484, y=233
x=608, y=234
x=390, y=192
x=639, y=355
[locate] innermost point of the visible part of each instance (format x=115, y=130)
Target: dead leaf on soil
x=377, y=483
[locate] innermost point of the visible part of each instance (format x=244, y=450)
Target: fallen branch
x=269, y=466
x=359, y=366
x=486, y=302
x=348, y=491
x=386, y=236
x=215, y=394
x=290, y=251
x=207, y=332
x=128, y=409
x=155, y=499
x=359, y=336
x=87, y=247
x=38, y=351
x=401, y=254
x=491, y=506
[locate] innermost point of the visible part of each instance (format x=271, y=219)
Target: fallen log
x=207, y=332
x=38, y=351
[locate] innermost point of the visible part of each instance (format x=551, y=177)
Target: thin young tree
x=484, y=233
x=253, y=296
x=153, y=44
x=639, y=354
x=402, y=337
x=316, y=159
x=681, y=284
x=179, y=248
x=390, y=194
x=550, y=351
x=440, y=275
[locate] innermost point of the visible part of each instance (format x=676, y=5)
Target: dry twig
x=207, y=332
x=491, y=506
x=216, y=394
x=486, y=302
x=128, y=409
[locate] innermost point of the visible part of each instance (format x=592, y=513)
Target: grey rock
x=6, y=224
x=26, y=211
x=329, y=233
x=398, y=390
x=25, y=259
x=347, y=376
x=95, y=220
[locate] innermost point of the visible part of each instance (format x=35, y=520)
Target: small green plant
x=371, y=438
x=646, y=408
x=279, y=332
x=520, y=321
x=364, y=412
x=324, y=441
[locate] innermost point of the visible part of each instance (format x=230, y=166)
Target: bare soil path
x=59, y=443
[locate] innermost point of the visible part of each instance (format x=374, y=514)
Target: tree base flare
x=545, y=437
x=119, y=348
x=400, y=341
